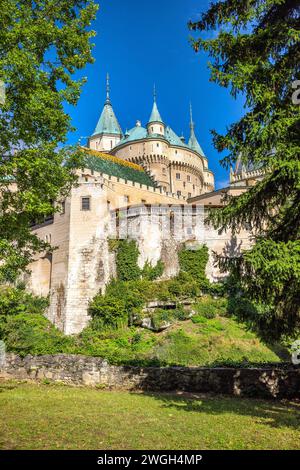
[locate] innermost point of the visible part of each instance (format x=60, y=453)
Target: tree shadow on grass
x=274, y=413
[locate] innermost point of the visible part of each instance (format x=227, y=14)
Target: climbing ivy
x=193, y=262
x=126, y=259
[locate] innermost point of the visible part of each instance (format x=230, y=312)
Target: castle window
x=152, y=129
x=178, y=193
x=157, y=145
x=63, y=207
x=189, y=178
x=184, y=184
x=178, y=176
x=86, y=203
x=164, y=170
x=189, y=194
x=108, y=205
x=176, y=152
x=161, y=129
x=193, y=187
x=126, y=198
x=111, y=144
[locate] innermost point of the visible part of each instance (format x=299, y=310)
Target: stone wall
x=84, y=370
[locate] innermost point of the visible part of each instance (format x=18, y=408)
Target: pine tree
x=42, y=44
x=256, y=53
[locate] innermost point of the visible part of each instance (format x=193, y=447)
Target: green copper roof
x=155, y=116
x=193, y=142
x=173, y=138
x=136, y=133
x=109, y=167
x=108, y=123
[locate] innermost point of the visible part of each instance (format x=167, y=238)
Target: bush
x=210, y=308
x=15, y=300
x=33, y=334
x=108, y=312
x=183, y=286
x=150, y=272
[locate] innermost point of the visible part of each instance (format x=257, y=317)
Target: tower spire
x=193, y=142
x=107, y=89
x=154, y=93
x=192, y=125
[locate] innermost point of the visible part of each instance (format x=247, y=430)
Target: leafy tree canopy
x=256, y=53
x=42, y=44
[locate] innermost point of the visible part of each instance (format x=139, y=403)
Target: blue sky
x=145, y=42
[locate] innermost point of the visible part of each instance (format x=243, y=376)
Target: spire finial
x=154, y=93
x=107, y=88
x=192, y=125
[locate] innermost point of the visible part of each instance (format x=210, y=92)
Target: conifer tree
x=255, y=52
x=42, y=44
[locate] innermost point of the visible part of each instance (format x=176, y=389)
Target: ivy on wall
x=127, y=254
x=193, y=262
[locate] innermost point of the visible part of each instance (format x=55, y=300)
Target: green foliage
x=193, y=262
x=210, y=308
x=42, y=43
x=256, y=53
x=15, y=300
x=126, y=259
x=150, y=272
x=108, y=312
x=32, y=334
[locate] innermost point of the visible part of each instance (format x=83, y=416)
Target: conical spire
x=155, y=115
x=108, y=123
x=193, y=142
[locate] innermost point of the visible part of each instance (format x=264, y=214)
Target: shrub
x=183, y=286
x=209, y=307
x=108, y=312
x=150, y=272
x=15, y=300
x=33, y=334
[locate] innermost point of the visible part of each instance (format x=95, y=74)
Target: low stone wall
x=84, y=370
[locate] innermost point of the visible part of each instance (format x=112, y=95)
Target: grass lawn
x=63, y=417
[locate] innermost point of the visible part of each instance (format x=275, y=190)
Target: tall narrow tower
x=108, y=132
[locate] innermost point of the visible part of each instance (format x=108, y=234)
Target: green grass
x=63, y=417
x=211, y=341
x=209, y=338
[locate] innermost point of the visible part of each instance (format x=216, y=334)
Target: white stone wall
x=82, y=264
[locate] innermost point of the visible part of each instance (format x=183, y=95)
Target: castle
x=146, y=184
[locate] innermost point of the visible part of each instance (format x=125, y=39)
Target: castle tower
x=193, y=142
x=108, y=132
x=155, y=124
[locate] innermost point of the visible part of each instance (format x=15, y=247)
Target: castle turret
x=108, y=132
x=193, y=142
x=155, y=124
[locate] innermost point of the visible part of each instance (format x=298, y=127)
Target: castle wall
x=82, y=264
